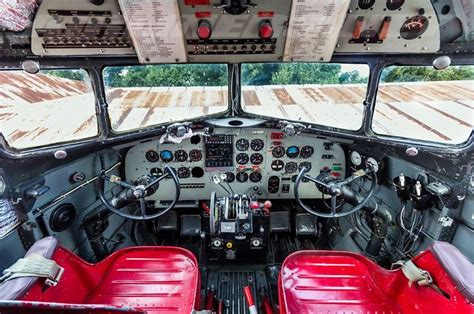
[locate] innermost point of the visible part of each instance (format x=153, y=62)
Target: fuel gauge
x=414, y=27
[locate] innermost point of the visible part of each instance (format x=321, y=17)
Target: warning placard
x=156, y=30
x=314, y=29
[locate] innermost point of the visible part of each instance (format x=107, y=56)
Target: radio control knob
x=204, y=30
x=265, y=30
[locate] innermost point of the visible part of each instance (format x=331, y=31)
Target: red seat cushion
x=330, y=282
x=154, y=279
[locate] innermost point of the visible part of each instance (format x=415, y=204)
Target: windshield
x=330, y=95
x=143, y=96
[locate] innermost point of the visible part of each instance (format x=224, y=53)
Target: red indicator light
x=266, y=30
x=204, y=30
x=266, y=14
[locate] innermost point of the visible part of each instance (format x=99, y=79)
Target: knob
x=265, y=30
x=204, y=30
x=97, y=2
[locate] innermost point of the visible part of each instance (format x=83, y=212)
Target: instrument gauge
x=278, y=151
x=166, y=156
x=306, y=165
x=255, y=177
x=242, y=145
x=257, y=145
x=366, y=4
x=292, y=152
x=278, y=165
x=180, y=156
x=157, y=172
x=152, y=156
x=242, y=177
x=230, y=177
x=356, y=158
x=306, y=152
x=393, y=5
x=242, y=159
x=291, y=167
x=372, y=163
x=414, y=27
x=195, y=155
x=256, y=159
x=184, y=173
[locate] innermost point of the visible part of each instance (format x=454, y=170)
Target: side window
x=53, y=106
x=422, y=103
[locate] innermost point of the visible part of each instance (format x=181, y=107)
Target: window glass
x=53, y=106
x=422, y=103
x=142, y=96
x=324, y=94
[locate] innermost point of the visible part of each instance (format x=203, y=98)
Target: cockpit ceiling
x=234, y=31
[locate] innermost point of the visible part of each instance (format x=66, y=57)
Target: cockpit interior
x=236, y=156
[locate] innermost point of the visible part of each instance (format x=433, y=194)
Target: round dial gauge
x=278, y=165
x=306, y=152
x=372, y=163
x=157, y=172
x=356, y=158
x=166, y=156
x=242, y=145
x=242, y=159
x=257, y=145
x=366, y=4
x=292, y=152
x=255, y=177
x=184, y=173
x=278, y=152
x=256, y=159
x=230, y=177
x=242, y=177
x=195, y=155
x=152, y=156
x=306, y=165
x=393, y=5
x=414, y=27
x=291, y=167
x=180, y=156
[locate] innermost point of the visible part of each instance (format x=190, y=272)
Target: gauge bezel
x=260, y=142
x=259, y=161
x=243, y=141
x=279, y=147
x=356, y=154
x=242, y=155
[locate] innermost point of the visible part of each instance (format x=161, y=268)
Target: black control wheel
x=339, y=190
x=138, y=193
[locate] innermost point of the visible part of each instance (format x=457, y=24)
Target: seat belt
x=34, y=266
x=414, y=274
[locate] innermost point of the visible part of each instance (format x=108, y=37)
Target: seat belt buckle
x=54, y=281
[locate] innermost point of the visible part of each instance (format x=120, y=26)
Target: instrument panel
x=250, y=161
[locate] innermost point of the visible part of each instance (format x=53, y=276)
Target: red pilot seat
x=343, y=282
x=132, y=280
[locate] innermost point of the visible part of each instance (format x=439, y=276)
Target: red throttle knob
x=265, y=30
x=204, y=30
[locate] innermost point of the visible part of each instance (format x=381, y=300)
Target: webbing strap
x=34, y=266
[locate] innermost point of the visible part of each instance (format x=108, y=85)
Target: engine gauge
x=195, y=155
x=184, y=173
x=306, y=152
x=242, y=145
x=278, y=165
x=255, y=177
x=230, y=177
x=356, y=158
x=278, y=151
x=157, y=172
x=292, y=152
x=152, y=156
x=242, y=159
x=306, y=165
x=371, y=162
x=257, y=145
x=242, y=177
x=393, y=5
x=166, y=156
x=180, y=156
x=414, y=27
x=256, y=159
x=291, y=167
x=366, y=4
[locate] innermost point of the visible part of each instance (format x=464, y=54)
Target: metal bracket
x=291, y=128
x=178, y=129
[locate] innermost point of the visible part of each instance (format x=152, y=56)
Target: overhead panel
x=70, y=28
x=390, y=26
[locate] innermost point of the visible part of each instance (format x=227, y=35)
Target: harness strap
x=34, y=266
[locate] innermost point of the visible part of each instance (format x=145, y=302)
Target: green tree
x=426, y=74
x=76, y=75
